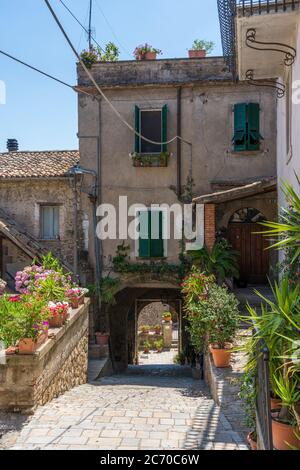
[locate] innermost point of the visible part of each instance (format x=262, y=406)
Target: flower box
x=102, y=338
x=150, y=160
x=197, y=53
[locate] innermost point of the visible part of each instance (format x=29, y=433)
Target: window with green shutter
x=151, y=242
x=151, y=123
x=246, y=127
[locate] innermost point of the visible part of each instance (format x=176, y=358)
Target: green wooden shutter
x=240, y=127
x=137, y=120
x=253, y=126
x=144, y=239
x=157, y=242
x=164, y=120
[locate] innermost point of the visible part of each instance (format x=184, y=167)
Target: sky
x=41, y=113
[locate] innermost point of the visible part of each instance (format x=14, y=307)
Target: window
x=246, y=127
x=153, y=125
x=49, y=222
x=151, y=243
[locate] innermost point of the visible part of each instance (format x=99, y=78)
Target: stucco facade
x=200, y=97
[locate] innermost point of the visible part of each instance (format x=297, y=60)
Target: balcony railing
x=258, y=7
x=229, y=9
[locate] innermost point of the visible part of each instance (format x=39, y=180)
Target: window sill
x=145, y=160
x=161, y=258
x=246, y=153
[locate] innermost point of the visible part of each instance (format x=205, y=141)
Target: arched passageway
x=124, y=315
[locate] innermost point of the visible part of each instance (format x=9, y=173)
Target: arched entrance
x=162, y=338
x=254, y=257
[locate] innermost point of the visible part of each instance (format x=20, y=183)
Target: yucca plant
x=221, y=261
x=287, y=230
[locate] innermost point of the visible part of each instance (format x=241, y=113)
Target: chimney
x=12, y=145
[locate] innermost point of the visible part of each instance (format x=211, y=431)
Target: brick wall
x=210, y=225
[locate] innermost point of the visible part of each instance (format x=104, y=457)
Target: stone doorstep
x=97, y=351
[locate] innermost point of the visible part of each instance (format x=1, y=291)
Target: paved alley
x=151, y=407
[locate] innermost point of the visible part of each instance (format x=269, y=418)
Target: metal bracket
x=289, y=51
x=279, y=87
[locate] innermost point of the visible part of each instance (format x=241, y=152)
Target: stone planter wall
x=57, y=366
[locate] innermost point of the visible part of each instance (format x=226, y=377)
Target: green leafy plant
x=141, y=51
x=287, y=230
x=159, y=344
x=222, y=261
x=248, y=396
x=145, y=328
x=195, y=287
x=52, y=288
x=89, y=58
x=200, y=44
x=180, y=359
x=146, y=346
x=106, y=290
x=111, y=53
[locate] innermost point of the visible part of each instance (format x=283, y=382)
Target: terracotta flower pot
x=251, y=441
x=197, y=54
x=275, y=403
x=27, y=346
x=102, y=339
x=81, y=299
x=148, y=56
x=221, y=357
x=75, y=303
x=146, y=350
x=168, y=319
x=56, y=321
x=284, y=437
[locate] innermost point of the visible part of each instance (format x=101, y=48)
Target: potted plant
x=146, y=347
x=223, y=322
x=167, y=316
x=248, y=396
x=58, y=313
x=157, y=329
x=159, y=344
x=145, y=329
x=75, y=297
x=286, y=421
x=146, y=52
x=102, y=338
x=200, y=49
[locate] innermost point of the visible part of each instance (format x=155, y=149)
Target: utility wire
x=75, y=88
x=35, y=69
x=106, y=99
x=79, y=22
x=111, y=28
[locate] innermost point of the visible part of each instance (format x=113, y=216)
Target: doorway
x=157, y=338
x=252, y=246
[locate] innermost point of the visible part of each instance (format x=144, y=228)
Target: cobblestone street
x=151, y=407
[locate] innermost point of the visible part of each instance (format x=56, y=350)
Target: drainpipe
x=179, y=142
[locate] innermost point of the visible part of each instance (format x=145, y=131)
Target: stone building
x=229, y=132
x=36, y=209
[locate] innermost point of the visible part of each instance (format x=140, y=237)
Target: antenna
x=90, y=26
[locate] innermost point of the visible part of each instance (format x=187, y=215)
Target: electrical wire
x=79, y=22
x=106, y=99
x=111, y=28
x=74, y=88
x=35, y=69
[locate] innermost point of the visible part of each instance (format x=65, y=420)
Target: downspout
x=179, y=142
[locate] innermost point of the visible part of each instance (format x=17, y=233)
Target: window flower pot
x=251, y=441
x=284, y=437
x=102, y=339
x=221, y=357
x=197, y=53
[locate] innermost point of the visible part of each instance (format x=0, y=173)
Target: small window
x=152, y=124
x=246, y=127
x=49, y=222
x=151, y=242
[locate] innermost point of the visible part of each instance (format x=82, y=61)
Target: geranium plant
x=142, y=50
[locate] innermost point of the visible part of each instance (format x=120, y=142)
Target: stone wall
x=58, y=365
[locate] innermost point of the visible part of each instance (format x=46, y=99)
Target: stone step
x=99, y=368
x=98, y=352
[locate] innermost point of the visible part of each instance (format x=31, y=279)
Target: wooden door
x=254, y=258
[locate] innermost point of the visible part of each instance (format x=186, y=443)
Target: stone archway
x=122, y=320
